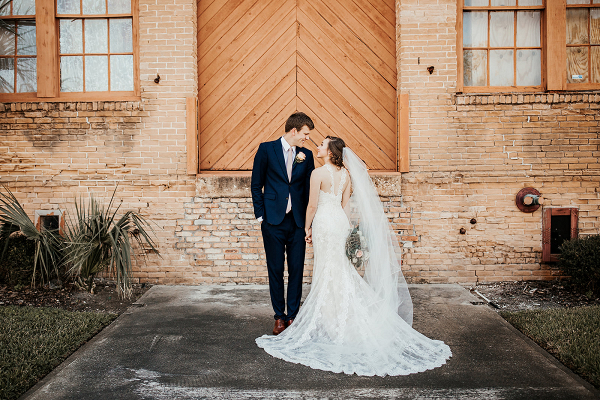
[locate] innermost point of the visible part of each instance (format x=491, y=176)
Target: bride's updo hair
x=336, y=148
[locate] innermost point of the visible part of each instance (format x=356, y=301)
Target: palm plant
x=96, y=241
x=48, y=244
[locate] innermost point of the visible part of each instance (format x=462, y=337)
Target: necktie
x=288, y=165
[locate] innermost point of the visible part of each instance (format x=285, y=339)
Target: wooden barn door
x=261, y=60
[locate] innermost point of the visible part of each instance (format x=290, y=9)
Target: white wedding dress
x=343, y=326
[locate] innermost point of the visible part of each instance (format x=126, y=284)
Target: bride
x=347, y=323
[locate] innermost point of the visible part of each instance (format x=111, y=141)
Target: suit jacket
x=269, y=173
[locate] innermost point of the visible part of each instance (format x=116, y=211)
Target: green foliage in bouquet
x=356, y=247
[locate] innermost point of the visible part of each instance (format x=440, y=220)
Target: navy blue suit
x=283, y=234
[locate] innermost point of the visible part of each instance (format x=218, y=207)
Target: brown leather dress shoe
x=289, y=323
x=279, y=326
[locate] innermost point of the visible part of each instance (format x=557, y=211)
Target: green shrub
x=580, y=259
x=16, y=267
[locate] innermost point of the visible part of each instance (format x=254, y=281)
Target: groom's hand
x=308, y=237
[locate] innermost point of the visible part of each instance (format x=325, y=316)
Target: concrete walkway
x=198, y=343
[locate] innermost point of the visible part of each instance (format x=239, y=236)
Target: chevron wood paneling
x=261, y=60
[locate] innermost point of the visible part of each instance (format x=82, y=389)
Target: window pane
x=578, y=1
x=502, y=29
x=96, y=36
x=121, y=73
x=531, y=3
x=501, y=68
x=4, y=8
x=476, y=3
x=475, y=29
x=121, y=6
x=528, y=29
x=595, y=56
x=26, y=75
x=121, y=36
x=26, y=38
x=529, y=67
x=94, y=7
x=7, y=41
x=497, y=3
x=67, y=7
x=7, y=75
x=475, y=66
x=96, y=73
x=23, y=7
x=577, y=25
x=70, y=36
x=71, y=74
x=595, y=25
x=577, y=64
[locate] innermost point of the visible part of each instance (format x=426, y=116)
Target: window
x=50, y=219
x=528, y=45
x=559, y=224
x=17, y=47
x=583, y=43
x=502, y=43
x=87, y=47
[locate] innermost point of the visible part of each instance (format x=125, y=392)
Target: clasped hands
x=308, y=237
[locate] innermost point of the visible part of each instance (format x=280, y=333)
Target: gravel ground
x=530, y=295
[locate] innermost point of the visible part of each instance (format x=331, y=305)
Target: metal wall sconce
x=528, y=200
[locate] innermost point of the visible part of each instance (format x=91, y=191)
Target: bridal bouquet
x=356, y=247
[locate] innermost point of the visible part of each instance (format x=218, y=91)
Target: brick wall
x=471, y=154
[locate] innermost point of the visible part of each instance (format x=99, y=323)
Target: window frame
x=554, y=50
x=588, y=85
x=547, y=229
x=459, y=46
x=47, y=48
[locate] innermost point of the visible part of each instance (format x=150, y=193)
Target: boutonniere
x=300, y=157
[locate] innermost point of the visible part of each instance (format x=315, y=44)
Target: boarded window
x=583, y=43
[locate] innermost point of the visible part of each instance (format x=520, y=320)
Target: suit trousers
x=281, y=240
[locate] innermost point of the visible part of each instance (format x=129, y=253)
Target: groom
x=280, y=189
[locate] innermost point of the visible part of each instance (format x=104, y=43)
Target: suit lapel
x=278, y=149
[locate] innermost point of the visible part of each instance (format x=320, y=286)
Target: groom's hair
x=298, y=120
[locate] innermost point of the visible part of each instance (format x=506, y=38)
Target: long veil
x=382, y=267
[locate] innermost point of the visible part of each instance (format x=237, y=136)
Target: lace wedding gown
x=342, y=327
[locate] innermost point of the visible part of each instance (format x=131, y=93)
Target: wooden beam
x=191, y=107
x=47, y=49
x=556, y=39
x=403, y=137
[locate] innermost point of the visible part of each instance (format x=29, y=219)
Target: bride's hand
x=308, y=237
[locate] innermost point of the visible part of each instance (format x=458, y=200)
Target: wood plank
x=556, y=60
x=385, y=130
x=370, y=43
x=403, y=133
x=254, y=122
x=366, y=19
x=191, y=120
x=46, y=44
x=223, y=21
x=202, y=5
x=387, y=72
x=357, y=140
x=577, y=64
x=211, y=10
x=213, y=83
x=214, y=117
x=212, y=47
x=343, y=114
x=353, y=63
x=222, y=140
x=228, y=46
x=376, y=104
x=388, y=13
x=595, y=60
x=268, y=127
